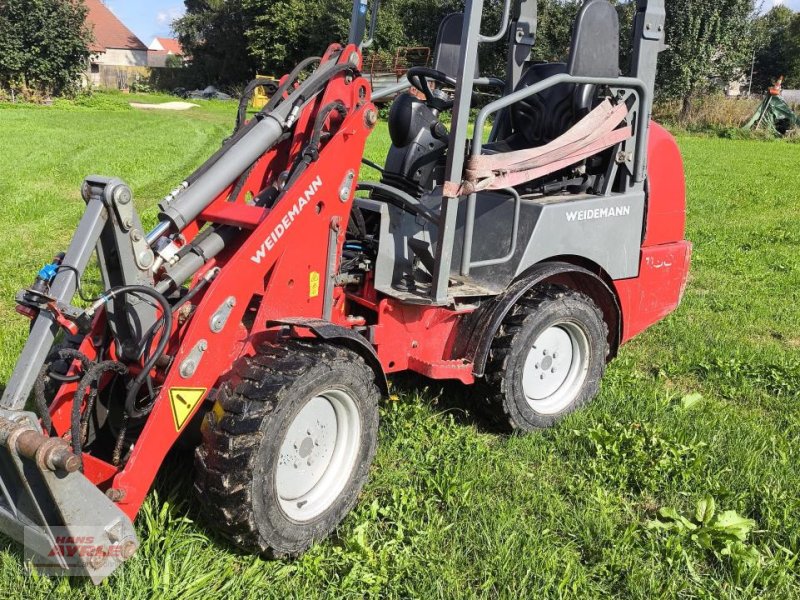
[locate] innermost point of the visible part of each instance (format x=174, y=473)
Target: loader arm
x=218, y=267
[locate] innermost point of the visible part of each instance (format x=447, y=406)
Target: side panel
x=664, y=266
x=657, y=291
x=604, y=230
x=419, y=338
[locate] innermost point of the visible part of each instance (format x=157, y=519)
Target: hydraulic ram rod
x=243, y=152
x=194, y=199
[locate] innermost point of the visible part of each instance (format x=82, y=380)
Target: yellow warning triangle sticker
x=183, y=401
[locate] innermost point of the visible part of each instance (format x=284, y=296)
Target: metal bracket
x=121, y=200
x=191, y=362
x=346, y=188
x=220, y=317
x=142, y=253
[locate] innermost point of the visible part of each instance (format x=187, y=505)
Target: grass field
x=703, y=406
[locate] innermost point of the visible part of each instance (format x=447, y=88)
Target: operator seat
x=594, y=52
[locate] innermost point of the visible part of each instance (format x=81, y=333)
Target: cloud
x=164, y=18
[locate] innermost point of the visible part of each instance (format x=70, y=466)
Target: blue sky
x=794, y=4
x=147, y=18
x=150, y=18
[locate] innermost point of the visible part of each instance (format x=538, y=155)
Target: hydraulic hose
x=257, y=137
x=242, y=128
x=277, y=97
x=39, y=396
x=247, y=95
x=138, y=381
x=199, y=286
x=78, y=428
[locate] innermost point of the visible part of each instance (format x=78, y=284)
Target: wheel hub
x=317, y=455
x=306, y=447
x=555, y=368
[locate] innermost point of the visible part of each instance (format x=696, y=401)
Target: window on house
x=95, y=68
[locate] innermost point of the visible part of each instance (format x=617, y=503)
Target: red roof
x=171, y=45
x=108, y=30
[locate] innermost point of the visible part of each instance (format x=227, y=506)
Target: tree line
x=710, y=41
x=44, y=43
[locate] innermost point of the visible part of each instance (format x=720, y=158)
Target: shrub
x=43, y=46
x=714, y=111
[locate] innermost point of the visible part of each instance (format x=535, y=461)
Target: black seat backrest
x=540, y=119
x=448, y=45
x=594, y=52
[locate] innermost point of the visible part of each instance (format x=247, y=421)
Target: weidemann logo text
x=286, y=221
x=599, y=213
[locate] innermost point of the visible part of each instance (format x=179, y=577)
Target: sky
x=148, y=18
x=152, y=18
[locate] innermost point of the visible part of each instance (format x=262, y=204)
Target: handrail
x=477, y=140
x=373, y=22
x=390, y=91
x=503, y=27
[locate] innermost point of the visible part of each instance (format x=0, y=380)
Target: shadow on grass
x=451, y=397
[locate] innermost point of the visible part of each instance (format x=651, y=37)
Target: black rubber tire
x=242, y=435
x=541, y=308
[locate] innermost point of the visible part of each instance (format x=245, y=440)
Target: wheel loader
x=512, y=247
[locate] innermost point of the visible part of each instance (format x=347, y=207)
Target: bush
x=714, y=111
x=43, y=46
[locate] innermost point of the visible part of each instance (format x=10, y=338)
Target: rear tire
x=547, y=359
x=288, y=445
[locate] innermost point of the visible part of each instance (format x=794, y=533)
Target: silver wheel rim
x=555, y=368
x=318, y=455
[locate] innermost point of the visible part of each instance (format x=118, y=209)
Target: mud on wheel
x=547, y=359
x=288, y=446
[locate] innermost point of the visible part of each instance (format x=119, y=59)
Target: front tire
x=547, y=359
x=288, y=445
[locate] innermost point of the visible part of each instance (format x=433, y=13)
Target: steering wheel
x=419, y=77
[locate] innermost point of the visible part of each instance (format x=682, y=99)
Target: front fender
x=330, y=332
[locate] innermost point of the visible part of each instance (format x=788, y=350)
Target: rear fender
x=475, y=338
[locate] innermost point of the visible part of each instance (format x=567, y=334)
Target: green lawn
x=702, y=405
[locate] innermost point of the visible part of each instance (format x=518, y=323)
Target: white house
x=115, y=47
x=161, y=48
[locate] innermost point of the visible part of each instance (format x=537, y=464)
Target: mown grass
x=704, y=404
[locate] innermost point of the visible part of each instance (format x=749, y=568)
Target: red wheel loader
x=278, y=289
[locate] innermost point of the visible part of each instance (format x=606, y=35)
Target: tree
x=708, y=41
x=792, y=50
x=287, y=31
x=43, y=44
x=173, y=61
x=776, y=48
x=213, y=34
